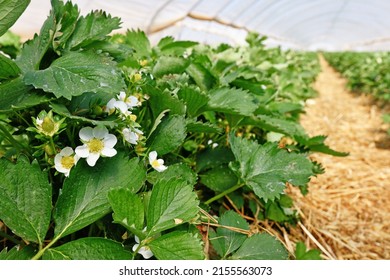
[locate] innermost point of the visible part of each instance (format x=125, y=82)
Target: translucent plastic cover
x=301, y=24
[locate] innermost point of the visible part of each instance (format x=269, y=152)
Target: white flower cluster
x=99, y=142
x=96, y=142
x=123, y=103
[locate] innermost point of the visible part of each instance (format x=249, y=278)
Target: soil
x=346, y=214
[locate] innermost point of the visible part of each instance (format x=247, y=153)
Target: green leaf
x=178, y=170
x=285, y=107
x=94, y=27
x=169, y=65
x=177, y=246
x=161, y=101
x=227, y=239
x=90, y=248
x=199, y=127
x=201, y=76
x=172, y=202
x=8, y=68
x=10, y=11
x=194, y=100
x=168, y=136
x=261, y=246
x=33, y=50
x=15, y=95
x=232, y=101
x=83, y=199
x=275, y=213
x=26, y=253
x=301, y=253
x=157, y=121
x=76, y=73
x=137, y=174
x=287, y=127
x=60, y=109
x=128, y=209
x=176, y=48
x=316, y=144
x=139, y=42
x=25, y=196
x=66, y=16
x=10, y=44
x=295, y=131
x=211, y=158
x=267, y=169
x=219, y=179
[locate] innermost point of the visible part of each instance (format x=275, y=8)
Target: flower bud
x=46, y=124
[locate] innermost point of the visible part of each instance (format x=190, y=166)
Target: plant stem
x=10, y=238
x=42, y=251
x=11, y=139
x=52, y=145
x=222, y=194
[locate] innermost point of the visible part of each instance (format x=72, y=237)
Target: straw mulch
x=346, y=214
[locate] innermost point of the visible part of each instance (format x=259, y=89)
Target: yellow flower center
x=143, y=62
x=67, y=162
x=137, y=77
x=133, y=117
x=95, y=145
x=48, y=126
x=155, y=163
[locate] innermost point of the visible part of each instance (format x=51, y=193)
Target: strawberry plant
x=366, y=72
x=111, y=148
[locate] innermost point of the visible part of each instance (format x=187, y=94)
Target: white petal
x=109, y=140
x=152, y=156
x=135, y=247
x=86, y=133
x=161, y=168
x=121, y=106
x=58, y=166
x=121, y=95
x=146, y=253
x=67, y=151
x=131, y=137
x=57, y=159
x=136, y=238
x=61, y=169
x=82, y=151
x=132, y=101
x=92, y=159
x=76, y=159
x=108, y=152
x=110, y=105
x=100, y=132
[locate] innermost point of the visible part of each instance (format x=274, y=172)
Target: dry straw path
x=347, y=211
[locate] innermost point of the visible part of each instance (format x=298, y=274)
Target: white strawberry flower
x=97, y=142
x=157, y=164
x=130, y=101
x=114, y=104
x=131, y=135
x=65, y=160
x=144, y=250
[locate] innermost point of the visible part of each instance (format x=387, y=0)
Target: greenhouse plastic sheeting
x=301, y=24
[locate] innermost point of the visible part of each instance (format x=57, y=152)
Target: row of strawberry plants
x=111, y=148
x=366, y=72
